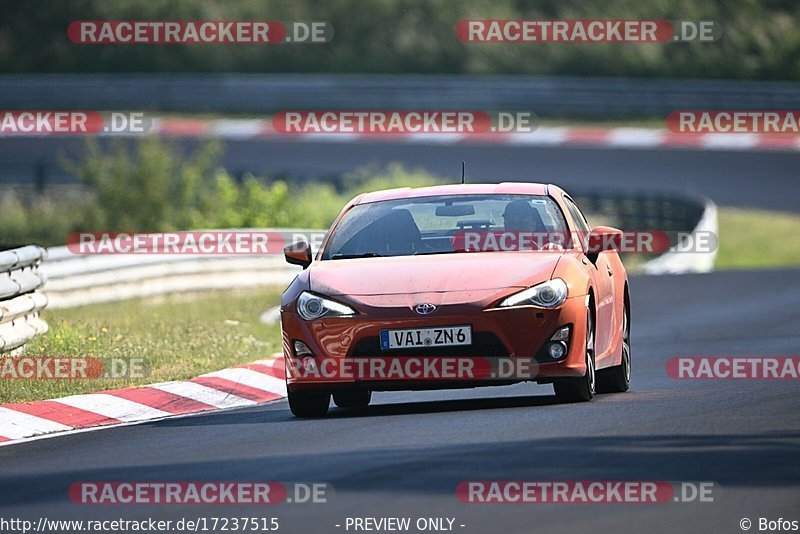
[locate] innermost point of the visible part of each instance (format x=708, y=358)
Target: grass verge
x=755, y=239
x=175, y=337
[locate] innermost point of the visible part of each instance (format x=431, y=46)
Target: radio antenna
x=463, y=168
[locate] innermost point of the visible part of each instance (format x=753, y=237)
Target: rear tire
x=309, y=404
x=617, y=379
x=580, y=389
x=352, y=398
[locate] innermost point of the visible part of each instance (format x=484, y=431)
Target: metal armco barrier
x=267, y=93
x=694, y=262
x=76, y=280
x=20, y=300
x=690, y=215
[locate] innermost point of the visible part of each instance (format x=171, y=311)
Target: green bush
x=41, y=220
x=151, y=187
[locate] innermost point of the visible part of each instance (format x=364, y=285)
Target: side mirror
x=298, y=254
x=601, y=239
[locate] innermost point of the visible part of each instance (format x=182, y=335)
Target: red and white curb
x=245, y=385
x=633, y=138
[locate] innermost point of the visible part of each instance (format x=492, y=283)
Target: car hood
x=433, y=273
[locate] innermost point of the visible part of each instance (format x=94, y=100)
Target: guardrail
x=20, y=300
x=686, y=262
x=77, y=280
x=684, y=217
x=574, y=96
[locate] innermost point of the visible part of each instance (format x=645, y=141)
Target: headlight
x=311, y=306
x=546, y=295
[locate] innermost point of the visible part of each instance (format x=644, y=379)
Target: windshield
x=448, y=224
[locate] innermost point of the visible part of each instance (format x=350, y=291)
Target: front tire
x=352, y=398
x=617, y=379
x=580, y=389
x=309, y=404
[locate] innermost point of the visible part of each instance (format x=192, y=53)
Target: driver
x=525, y=222
x=520, y=216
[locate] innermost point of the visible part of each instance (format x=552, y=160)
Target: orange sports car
x=456, y=286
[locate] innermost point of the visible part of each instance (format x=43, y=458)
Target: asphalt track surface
x=407, y=453
x=766, y=179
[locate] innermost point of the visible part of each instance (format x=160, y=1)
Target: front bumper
x=515, y=334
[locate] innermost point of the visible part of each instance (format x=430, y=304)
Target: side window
x=580, y=221
x=577, y=216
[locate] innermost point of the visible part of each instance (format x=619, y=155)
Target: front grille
x=484, y=344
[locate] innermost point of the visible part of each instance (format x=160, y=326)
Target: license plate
x=441, y=336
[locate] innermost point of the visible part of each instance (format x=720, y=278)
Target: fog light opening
x=557, y=350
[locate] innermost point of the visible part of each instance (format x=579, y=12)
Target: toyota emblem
x=425, y=309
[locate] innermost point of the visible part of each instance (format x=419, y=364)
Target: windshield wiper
x=351, y=256
x=431, y=252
